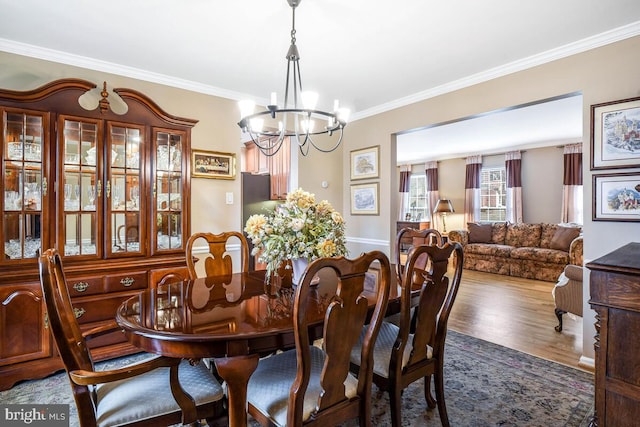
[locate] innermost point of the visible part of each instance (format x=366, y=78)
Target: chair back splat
x=218, y=261
x=121, y=396
x=426, y=236
x=314, y=386
x=414, y=347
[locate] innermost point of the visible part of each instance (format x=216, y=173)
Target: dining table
x=233, y=319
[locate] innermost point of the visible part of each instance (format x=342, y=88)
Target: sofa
x=532, y=251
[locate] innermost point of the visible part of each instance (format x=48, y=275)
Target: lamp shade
x=443, y=206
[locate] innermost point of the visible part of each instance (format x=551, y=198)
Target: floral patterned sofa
x=533, y=251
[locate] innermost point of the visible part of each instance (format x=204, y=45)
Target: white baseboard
x=587, y=363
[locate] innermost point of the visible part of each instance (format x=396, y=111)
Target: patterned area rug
x=485, y=385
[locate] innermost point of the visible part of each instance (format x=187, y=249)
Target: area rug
x=485, y=385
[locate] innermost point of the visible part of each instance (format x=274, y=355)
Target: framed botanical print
x=364, y=163
x=615, y=134
x=213, y=164
x=364, y=199
x=616, y=197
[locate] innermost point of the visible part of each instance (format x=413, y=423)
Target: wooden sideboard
x=407, y=239
x=615, y=297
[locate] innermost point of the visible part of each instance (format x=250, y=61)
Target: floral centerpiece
x=300, y=228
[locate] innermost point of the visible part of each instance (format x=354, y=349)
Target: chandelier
x=299, y=120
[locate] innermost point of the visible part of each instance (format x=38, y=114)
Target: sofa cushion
x=563, y=237
x=551, y=256
x=479, y=233
x=498, y=232
x=521, y=235
x=548, y=230
x=488, y=249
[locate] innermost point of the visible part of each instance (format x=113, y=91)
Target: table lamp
x=443, y=207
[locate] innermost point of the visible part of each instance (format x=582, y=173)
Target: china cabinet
x=109, y=191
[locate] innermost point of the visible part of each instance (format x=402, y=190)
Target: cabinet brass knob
x=81, y=286
x=127, y=281
x=78, y=312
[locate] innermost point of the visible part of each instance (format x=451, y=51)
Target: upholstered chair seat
x=148, y=395
x=270, y=384
x=383, y=349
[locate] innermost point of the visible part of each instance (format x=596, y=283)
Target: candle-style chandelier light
x=269, y=128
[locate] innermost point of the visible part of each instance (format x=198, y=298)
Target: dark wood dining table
x=234, y=319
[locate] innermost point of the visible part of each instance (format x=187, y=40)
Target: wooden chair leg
x=439, y=385
x=431, y=402
x=395, y=400
x=559, y=314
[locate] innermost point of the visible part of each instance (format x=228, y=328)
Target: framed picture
x=364, y=199
x=213, y=164
x=616, y=197
x=615, y=134
x=364, y=163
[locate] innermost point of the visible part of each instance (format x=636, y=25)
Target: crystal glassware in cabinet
x=169, y=190
x=126, y=177
x=80, y=145
x=23, y=184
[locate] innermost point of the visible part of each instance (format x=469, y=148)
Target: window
x=493, y=194
x=417, y=210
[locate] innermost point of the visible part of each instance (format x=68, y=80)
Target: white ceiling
x=373, y=55
x=554, y=122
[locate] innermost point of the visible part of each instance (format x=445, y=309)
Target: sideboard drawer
x=89, y=310
x=126, y=282
x=85, y=286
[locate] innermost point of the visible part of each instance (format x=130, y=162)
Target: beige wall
x=603, y=74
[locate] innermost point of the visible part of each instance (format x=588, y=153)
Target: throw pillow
x=479, y=233
x=563, y=237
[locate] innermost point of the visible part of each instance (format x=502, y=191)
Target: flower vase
x=299, y=266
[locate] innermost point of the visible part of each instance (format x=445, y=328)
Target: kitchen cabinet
x=109, y=191
x=278, y=166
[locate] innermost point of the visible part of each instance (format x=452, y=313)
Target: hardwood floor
x=515, y=313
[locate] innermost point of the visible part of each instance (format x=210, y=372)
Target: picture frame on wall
x=615, y=134
x=364, y=163
x=616, y=197
x=364, y=199
x=213, y=164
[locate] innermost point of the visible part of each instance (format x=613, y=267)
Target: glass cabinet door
x=168, y=190
x=125, y=157
x=24, y=184
x=80, y=187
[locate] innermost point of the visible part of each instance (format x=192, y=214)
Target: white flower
x=296, y=224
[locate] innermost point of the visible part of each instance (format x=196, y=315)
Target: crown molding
x=38, y=52
x=580, y=46
x=602, y=39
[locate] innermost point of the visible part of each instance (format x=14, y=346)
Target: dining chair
x=312, y=385
x=428, y=236
x=414, y=349
x=218, y=262
x=142, y=394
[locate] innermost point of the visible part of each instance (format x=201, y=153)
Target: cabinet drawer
x=126, y=282
x=85, y=286
x=96, y=309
